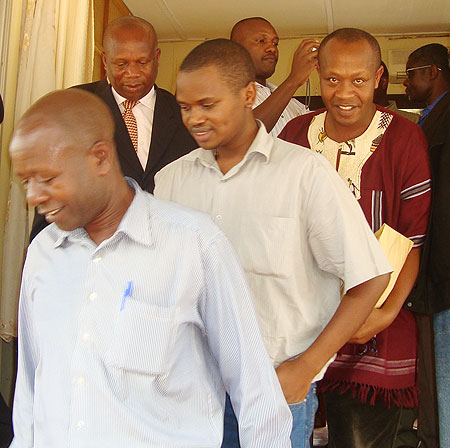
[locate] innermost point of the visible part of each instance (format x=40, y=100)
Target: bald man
x=134, y=313
x=382, y=157
x=274, y=105
x=131, y=57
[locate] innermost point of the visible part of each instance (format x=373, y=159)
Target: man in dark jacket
x=158, y=136
x=428, y=81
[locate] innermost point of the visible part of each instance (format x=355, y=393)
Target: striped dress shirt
x=132, y=343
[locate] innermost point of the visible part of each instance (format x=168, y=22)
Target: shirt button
x=97, y=259
x=93, y=296
x=86, y=336
x=409, y=304
x=80, y=380
x=219, y=217
x=80, y=424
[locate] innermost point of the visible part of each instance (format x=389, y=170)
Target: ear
x=103, y=59
x=250, y=94
x=378, y=75
x=434, y=71
x=157, y=55
x=102, y=155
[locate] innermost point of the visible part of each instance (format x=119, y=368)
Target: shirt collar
x=261, y=144
x=148, y=100
x=429, y=108
x=136, y=224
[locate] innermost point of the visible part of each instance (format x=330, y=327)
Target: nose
x=35, y=193
x=345, y=90
x=133, y=69
x=406, y=82
x=196, y=116
x=271, y=48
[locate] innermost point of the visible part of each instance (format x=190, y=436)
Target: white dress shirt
x=132, y=343
x=143, y=112
x=292, y=110
x=296, y=227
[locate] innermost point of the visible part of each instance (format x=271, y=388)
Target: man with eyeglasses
x=428, y=80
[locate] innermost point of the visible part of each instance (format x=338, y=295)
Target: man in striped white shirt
x=135, y=316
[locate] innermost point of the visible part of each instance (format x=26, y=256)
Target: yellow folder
x=396, y=247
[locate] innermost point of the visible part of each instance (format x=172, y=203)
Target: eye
x=184, y=107
x=47, y=180
x=359, y=81
x=332, y=80
x=275, y=43
x=120, y=64
x=208, y=105
x=24, y=182
x=143, y=62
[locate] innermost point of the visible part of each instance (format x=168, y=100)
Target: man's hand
x=295, y=378
x=304, y=61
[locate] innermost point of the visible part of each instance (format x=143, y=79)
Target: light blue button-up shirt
x=133, y=342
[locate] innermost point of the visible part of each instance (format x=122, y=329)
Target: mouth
x=345, y=109
x=270, y=58
x=201, y=135
x=50, y=215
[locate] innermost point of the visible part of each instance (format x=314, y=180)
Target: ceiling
x=182, y=20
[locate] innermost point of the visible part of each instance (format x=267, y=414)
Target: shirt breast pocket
x=143, y=338
x=265, y=246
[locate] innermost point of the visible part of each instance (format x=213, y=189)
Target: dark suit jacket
x=170, y=139
x=432, y=291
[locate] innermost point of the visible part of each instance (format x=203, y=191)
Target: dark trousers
x=428, y=428
x=230, y=427
x=352, y=424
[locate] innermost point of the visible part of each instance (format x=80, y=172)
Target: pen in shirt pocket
x=126, y=294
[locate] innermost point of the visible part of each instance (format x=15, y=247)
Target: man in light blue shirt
x=134, y=317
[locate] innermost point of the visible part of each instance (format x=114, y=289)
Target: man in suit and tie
x=157, y=136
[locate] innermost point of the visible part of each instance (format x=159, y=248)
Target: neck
x=107, y=222
x=436, y=94
x=261, y=81
x=229, y=155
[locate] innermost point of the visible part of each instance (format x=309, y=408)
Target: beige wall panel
x=172, y=54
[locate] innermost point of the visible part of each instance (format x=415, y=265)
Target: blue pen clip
x=126, y=294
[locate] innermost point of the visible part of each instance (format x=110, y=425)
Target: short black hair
x=231, y=59
x=433, y=54
x=351, y=35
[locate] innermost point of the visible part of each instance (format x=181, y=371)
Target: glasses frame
x=409, y=71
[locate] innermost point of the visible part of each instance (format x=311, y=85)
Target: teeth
x=346, y=107
x=54, y=212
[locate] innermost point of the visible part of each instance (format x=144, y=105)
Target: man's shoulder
x=168, y=214
x=94, y=87
x=296, y=130
x=181, y=162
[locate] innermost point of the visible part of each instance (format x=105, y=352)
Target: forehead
x=351, y=57
x=254, y=27
x=197, y=85
x=122, y=42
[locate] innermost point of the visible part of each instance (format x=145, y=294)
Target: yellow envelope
x=396, y=247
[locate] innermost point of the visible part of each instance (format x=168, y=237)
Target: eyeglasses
x=409, y=71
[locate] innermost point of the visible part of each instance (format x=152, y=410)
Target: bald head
x=260, y=39
x=79, y=117
x=128, y=25
x=131, y=56
x=350, y=36
x=64, y=154
x=241, y=28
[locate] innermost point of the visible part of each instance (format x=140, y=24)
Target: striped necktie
x=130, y=121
